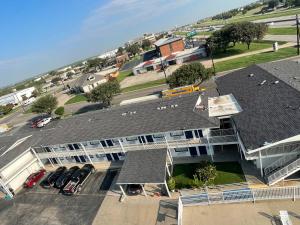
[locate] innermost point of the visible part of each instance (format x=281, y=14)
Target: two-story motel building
x=252, y=114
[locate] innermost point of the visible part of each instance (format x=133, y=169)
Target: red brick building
x=167, y=46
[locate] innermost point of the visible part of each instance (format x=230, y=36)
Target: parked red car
x=34, y=178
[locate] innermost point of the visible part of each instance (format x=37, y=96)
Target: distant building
x=167, y=46
x=109, y=54
x=121, y=59
x=17, y=97
x=87, y=82
x=187, y=55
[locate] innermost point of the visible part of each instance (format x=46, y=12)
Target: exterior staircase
x=283, y=167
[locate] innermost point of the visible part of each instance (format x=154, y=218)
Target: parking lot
x=38, y=206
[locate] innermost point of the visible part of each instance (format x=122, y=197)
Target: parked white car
x=44, y=122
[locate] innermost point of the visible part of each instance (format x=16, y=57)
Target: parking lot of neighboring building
x=47, y=206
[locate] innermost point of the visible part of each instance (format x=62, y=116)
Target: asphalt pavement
x=38, y=206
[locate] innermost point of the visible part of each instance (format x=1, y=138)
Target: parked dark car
x=78, y=179
x=65, y=177
x=134, y=189
x=52, y=177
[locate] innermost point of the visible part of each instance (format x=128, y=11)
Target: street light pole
x=298, y=44
x=212, y=58
x=162, y=66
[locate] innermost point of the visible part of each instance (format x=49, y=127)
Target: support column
x=122, y=147
x=168, y=192
x=38, y=158
x=123, y=192
x=74, y=149
x=260, y=163
x=58, y=159
x=144, y=191
x=87, y=155
x=168, y=171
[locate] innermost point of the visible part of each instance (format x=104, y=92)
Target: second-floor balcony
x=214, y=138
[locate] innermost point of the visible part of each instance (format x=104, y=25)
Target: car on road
x=78, y=179
x=43, y=122
x=50, y=180
x=134, y=189
x=65, y=177
x=34, y=178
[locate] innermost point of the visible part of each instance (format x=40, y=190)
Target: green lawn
x=255, y=59
x=198, y=33
x=248, y=17
x=227, y=173
x=77, y=98
x=282, y=31
x=145, y=85
x=123, y=75
x=240, y=48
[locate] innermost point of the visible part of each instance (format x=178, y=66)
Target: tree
x=146, y=44
x=206, y=173
x=120, y=51
x=188, y=74
x=69, y=75
x=273, y=3
x=60, y=111
x=5, y=109
x=45, y=104
x=260, y=30
x=249, y=33
x=104, y=92
x=133, y=49
x=56, y=80
x=52, y=73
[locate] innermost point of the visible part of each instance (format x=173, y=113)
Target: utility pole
x=298, y=35
x=212, y=58
x=162, y=65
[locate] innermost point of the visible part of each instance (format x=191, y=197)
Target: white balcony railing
x=291, y=155
x=284, y=172
x=92, y=150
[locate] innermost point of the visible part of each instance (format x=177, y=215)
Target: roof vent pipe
x=262, y=83
x=251, y=75
x=276, y=82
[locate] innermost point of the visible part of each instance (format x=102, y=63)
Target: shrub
x=171, y=184
x=60, y=111
x=197, y=183
x=206, y=173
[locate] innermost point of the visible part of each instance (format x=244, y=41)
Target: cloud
x=117, y=13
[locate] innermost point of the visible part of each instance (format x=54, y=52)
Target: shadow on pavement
x=167, y=212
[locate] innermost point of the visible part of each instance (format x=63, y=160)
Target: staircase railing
x=283, y=161
x=284, y=172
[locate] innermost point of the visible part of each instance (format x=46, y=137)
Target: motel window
x=103, y=143
x=109, y=143
x=131, y=139
x=94, y=143
x=181, y=149
x=158, y=136
x=176, y=134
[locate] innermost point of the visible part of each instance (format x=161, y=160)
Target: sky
x=38, y=36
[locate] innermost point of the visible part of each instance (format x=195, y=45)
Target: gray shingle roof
x=270, y=112
x=7, y=141
x=141, y=118
x=141, y=167
x=287, y=71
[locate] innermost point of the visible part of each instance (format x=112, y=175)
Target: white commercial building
x=17, y=97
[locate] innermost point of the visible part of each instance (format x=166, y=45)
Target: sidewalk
x=208, y=63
